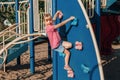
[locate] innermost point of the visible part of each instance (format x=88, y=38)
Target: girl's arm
x=56, y=15
x=64, y=22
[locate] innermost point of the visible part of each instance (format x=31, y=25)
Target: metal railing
x=42, y=26
x=89, y=6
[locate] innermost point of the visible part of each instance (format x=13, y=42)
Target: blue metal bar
x=98, y=28
x=17, y=21
x=31, y=44
x=49, y=52
x=55, y=75
x=16, y=9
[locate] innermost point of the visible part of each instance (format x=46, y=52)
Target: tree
x=6, y=15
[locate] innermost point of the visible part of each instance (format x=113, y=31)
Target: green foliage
x=41, y=5
x=6, y=15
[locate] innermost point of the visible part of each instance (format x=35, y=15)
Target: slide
x=11, y=51
x=86, y=63
x=13, y=44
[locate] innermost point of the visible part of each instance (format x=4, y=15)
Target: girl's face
x=48, y=20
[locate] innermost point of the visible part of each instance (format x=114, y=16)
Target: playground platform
x=43, y=68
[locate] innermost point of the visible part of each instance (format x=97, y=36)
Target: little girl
x=55, y=40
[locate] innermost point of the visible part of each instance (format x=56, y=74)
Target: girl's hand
x=59, y=14
x=72, y=17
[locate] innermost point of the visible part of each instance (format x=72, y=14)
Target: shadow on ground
x=111, y=66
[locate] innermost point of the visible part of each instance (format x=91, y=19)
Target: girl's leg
x=67, y=56
x=70, y=72
x=66, y=44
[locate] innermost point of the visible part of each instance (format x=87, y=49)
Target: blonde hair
x=47, y=15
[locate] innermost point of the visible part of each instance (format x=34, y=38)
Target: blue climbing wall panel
x=83, y=62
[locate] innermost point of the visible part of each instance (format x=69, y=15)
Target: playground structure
x=109, y=23
x=107, y=26
x=15, y=38
x=22, y=32
x=96, y=10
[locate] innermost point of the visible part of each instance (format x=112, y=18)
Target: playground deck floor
x=43, y=68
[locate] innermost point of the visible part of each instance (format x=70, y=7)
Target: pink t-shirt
x=53, y=36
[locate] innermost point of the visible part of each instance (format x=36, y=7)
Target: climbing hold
x=85, y=68
x=61, y=54
x=70, y=73
x=60, y=15
x=74, y=22
x=78, y=45
x=87, y=26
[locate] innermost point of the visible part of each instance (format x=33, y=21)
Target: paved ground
x=111, y=67
x=43, y=68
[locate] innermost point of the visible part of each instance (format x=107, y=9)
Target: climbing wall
x=83, y=62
